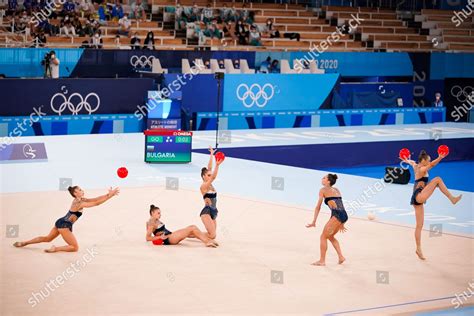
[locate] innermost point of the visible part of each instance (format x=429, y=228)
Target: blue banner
x=198, y=92
x=359, y=64
x=275, y=92
x=11, y=127
x=445, y=65
x=72, y=96
x=374, y=95
x=320, y=118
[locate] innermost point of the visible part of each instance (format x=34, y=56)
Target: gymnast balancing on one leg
x=332, y=198
x=422, y=190
x=64, y=224
x=156, y=230
x=209, y=212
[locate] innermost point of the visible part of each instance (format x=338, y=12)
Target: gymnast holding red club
x=423, y=188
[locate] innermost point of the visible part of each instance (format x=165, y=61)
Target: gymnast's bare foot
x=341, y=260
x=211, y=244
x=420, y=254
x=456, y=199
x=51, y=250
x=19, y=244
x=319, y=263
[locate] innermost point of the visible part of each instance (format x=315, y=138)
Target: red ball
x=158, y=242
x=404, y=153
x=443, y=150
x=122, y=172
x=220, y=156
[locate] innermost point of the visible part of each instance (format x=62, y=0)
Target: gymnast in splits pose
x=422, y=190
x=332, y=198
x=209, y=194
x=63, y=225
x=155, y=230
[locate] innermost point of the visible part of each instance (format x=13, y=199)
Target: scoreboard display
x=168, y=146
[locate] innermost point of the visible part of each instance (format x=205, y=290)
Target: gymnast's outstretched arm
x=317, y=209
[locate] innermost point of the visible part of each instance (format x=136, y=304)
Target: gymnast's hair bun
x=332, y=177
x=71, y=190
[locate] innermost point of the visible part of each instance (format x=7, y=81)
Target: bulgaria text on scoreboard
x=167, y=146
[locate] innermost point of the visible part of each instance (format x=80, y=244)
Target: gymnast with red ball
x=157, y=233
x=423, y=189
x=63, y=225
x=209, y=212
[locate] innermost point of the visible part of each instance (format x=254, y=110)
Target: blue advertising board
x=320, y=118
x=22, y=97
x=358, y=64
x=275, y=92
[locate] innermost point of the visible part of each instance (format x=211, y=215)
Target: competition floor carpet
x=263, y=263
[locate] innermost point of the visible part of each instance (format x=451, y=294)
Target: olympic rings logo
x=255, y=94
x=141, y=61
x=463, y=94
x=75, y=108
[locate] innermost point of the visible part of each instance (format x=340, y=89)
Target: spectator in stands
x=188, y=14
x=241, y=33
x=138, y=10
x=124, y=25
x=12, y=6
x=265, y=65
x=96, y=41
x=179, y=17
x=245, y=15
x=233, y=14
x=86, y=7
x=213, y=30
x=269, y=30
x=27, y=5
x=236, y=64
x=224, y=14
x=76, y=23
x=149, y=42
x=229, y=30
x=254, y=37
x=23, y=21
x=438, y=103
x=196, y=13
x=14, y=23
x=68, y=8
x=135, y=41
x=92, y=25
x=39, y=39
x=117, y=41
x=207, y=14
x=103, y=14
x=48, y=28
x=274, y=69
x=117, y=11
x=68, y=29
